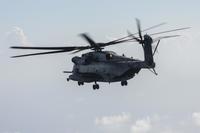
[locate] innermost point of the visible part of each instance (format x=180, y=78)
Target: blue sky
x=34, y=94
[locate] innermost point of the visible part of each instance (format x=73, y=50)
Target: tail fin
x=148, y=54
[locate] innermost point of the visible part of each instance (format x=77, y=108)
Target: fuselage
x=104, y=66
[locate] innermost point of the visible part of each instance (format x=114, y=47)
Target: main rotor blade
x=117, y=42
x=88, y=39
x=164, y=37
x=50, y=48
x=77, y=51
x=170, y=31
x=41, y=53
x=152, y=27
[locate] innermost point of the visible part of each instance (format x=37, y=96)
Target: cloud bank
x=125, y=122
x=141, y=126
x=18, y=37
x=196, y=118
x=113, y=120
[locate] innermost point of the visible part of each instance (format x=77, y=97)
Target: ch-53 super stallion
x=107, y=66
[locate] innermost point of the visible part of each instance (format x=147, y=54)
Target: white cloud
x=142, y=126
x=18, y=36
x=196, y=118
x=113, y=120
x=125, y=122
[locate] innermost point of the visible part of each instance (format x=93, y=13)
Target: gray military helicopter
x=107, y=66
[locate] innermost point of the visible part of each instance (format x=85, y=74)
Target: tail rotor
x=146, y=41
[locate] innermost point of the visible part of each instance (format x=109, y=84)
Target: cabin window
x=109, y=56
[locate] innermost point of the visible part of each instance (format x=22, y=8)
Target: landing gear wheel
x=124, y=83
x=80, y=83
x=95, y=86
x=67, y=79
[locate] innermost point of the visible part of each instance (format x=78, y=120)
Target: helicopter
x=107, y=66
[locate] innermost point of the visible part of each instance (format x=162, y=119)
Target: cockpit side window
x=109, y=56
